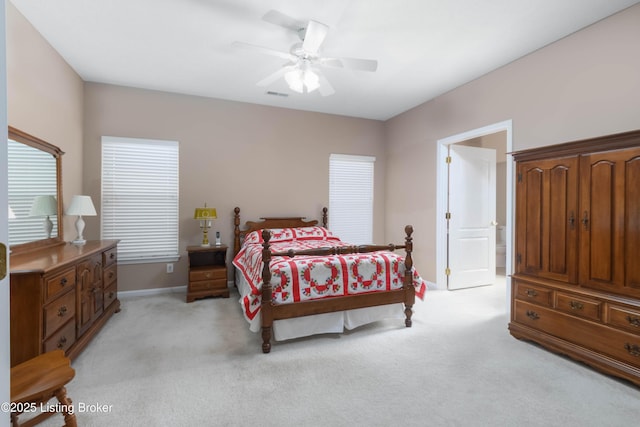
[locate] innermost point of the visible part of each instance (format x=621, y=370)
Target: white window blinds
x=351, y=197
x=140, y=198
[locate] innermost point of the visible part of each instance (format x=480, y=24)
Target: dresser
x=207, y=272
x=61, y=296
x=576, y=286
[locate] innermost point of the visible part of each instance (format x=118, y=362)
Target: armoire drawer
x=534, y=294
x=579, y=306
x=603, y=339
x=624, y=317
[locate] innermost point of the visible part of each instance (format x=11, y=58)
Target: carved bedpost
x=324, y=217
x=236, y=231
x=267, y=316
x=409, y=290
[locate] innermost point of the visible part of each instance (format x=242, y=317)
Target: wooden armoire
x=576, y=282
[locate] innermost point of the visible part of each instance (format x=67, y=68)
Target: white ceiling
x=424, y=48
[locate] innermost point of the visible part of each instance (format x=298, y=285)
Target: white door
x=472, y=211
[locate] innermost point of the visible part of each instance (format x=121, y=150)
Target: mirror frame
x=32, y=141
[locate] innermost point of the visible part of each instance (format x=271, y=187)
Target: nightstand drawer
x=578, y=306
x=624, y=318
x=58, y=312
x=63, y=339
x=208, y=273
x=205, y=285
x=60, y=282
x=534, y=294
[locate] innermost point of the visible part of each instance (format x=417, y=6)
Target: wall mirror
x=35, y=192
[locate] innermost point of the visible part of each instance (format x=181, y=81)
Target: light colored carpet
x=163, y=362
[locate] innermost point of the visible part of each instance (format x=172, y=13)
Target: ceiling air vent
x=270, y=92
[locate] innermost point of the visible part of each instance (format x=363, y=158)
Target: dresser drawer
x=208, y=273
x=625, y=318
x=63, y=339
x=205, y=285
x=60, y=282
x=58, y=312
x=110, y=257
x=579, y=306
x=535, y=294
x=110, y=294
x=110, y=275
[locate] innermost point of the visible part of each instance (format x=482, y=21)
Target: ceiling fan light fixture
x=302, y=80
x=294, y=80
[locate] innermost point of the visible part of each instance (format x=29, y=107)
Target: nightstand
x=207, y=272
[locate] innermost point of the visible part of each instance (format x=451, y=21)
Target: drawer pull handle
x=111, y=294
x=532, y=315
x=634, y=321
x=62, y=311
x=633, y=349
x=62, y=341
x=112, y=255
x=532, y=293
x=110, y=274
x=63, y=281
x=575, y=305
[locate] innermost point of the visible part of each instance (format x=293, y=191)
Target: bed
x=314, y=282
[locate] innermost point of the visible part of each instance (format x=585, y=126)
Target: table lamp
x=45, y=206
x=81, y=206
x=205, y=215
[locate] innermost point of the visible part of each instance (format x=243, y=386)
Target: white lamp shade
x=81, y=205
x=44, y=206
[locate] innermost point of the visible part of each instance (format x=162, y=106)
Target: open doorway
x=498, y=137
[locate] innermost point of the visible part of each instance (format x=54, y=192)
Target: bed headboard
x=270, y=222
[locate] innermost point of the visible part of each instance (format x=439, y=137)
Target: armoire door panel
x=546, y=202
x=632, y=224
x=609, y=241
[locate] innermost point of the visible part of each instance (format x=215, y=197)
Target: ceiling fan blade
x=279, y=18
x=273, y=77
x=351, y=63
x=325, y=88
x=314, y=35
x=266, y=50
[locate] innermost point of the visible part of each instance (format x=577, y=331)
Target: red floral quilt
x=304, y=278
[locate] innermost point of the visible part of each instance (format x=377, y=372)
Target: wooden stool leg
x=14, y=420
x=69, y=417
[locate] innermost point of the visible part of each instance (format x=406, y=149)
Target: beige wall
x=582, y=86
x=268, y=161
x=585, y=85
x=45, y=100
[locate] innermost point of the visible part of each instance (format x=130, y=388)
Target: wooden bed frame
x=270, y=312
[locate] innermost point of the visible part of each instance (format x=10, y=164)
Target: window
x=351, y=197
x=140, y=198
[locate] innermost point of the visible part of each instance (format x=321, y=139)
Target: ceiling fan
x=302, y=71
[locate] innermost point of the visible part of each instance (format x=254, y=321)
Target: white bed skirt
x=286, y=329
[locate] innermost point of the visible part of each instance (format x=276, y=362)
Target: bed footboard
x=271, y=312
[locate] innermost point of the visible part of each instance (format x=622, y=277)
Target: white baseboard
x=156, y=291
x=148, y=292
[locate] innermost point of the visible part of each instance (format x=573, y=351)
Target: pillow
x=291, y=234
